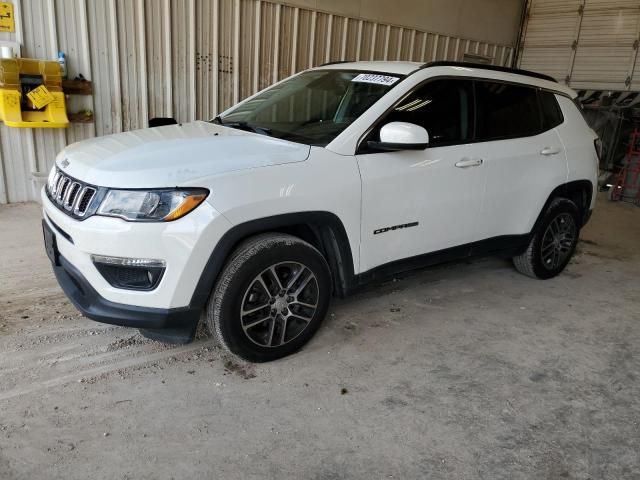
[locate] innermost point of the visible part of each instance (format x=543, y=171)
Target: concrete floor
x=467, y=371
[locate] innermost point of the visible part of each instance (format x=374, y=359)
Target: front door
x=418, y=202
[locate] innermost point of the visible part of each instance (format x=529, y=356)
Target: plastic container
x=6, y=52
x=62, y=61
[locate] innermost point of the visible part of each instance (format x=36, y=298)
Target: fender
x=324, y=230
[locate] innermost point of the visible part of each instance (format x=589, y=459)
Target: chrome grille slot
x=62, y=189
x=54, y=184
x=71, y=196
x=83, y=201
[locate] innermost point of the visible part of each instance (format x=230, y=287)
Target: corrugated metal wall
x=588, y=44
x=188, y=59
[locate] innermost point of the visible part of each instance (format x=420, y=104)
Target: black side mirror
x=162, y=121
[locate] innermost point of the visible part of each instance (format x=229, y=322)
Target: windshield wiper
x=243, y=126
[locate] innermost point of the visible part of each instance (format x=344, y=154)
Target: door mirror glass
x=397, y=136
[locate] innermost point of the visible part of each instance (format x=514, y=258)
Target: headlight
x=151, y=205
x=53, y=174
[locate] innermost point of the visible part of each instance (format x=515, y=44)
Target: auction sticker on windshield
x=374, y=78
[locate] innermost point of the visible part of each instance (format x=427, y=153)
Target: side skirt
x=506, y=246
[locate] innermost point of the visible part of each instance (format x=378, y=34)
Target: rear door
x=523, y=154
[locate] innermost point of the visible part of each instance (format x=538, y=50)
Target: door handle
x=549, y=151
x=469, y=162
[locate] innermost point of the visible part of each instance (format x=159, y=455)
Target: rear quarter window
x=551, y=112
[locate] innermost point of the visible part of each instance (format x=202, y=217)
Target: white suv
x=334, y=177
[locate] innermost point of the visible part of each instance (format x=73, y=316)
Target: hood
x=173, y=155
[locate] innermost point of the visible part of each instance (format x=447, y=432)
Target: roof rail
x=335, y=63
x=444, y=63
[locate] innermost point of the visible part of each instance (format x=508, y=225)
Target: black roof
x=496, y=68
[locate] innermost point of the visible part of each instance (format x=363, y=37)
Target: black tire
x=248, y=280
x=534, y=261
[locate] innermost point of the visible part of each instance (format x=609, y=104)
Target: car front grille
x=70, y=195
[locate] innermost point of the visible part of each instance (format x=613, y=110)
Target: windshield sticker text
x=373, y=78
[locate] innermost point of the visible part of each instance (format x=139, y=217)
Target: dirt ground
x=466, y=371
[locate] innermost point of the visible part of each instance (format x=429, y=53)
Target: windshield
x=313, y=107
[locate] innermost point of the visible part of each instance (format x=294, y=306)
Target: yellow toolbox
x=31, y=94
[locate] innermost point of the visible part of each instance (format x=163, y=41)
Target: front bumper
x=89, y=302
x=185, y=245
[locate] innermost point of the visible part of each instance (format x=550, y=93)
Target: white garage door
x=588, y=44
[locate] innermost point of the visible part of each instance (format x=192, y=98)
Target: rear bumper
x=89, y=302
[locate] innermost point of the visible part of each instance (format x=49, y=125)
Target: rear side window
x=442, y=107
x=506, y=111
x=551, y=113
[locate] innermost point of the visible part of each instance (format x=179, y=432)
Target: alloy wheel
x=558, y=240
x=279, y=304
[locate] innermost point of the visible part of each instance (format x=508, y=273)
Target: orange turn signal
x=188, y=203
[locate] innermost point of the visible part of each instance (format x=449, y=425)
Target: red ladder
x=628, y=176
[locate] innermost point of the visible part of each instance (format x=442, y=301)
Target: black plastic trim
x=62, y=233
x=495, y=68
x=109, y=273
x=327, y=228
x=507, y=246
x=395, y=147
x=92, y=305
x=335, y=63
x=570, y=190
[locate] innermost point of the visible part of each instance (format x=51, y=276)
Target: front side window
x=443, y=107
x=506, y=111
x=313, y=107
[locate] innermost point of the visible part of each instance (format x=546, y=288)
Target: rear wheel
x=554, y=242
x=270, y=298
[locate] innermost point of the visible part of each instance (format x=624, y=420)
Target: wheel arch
x=579, y=192
x=324, y=230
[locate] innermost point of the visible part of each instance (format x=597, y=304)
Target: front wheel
x=270, y=298
x=553, y=243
